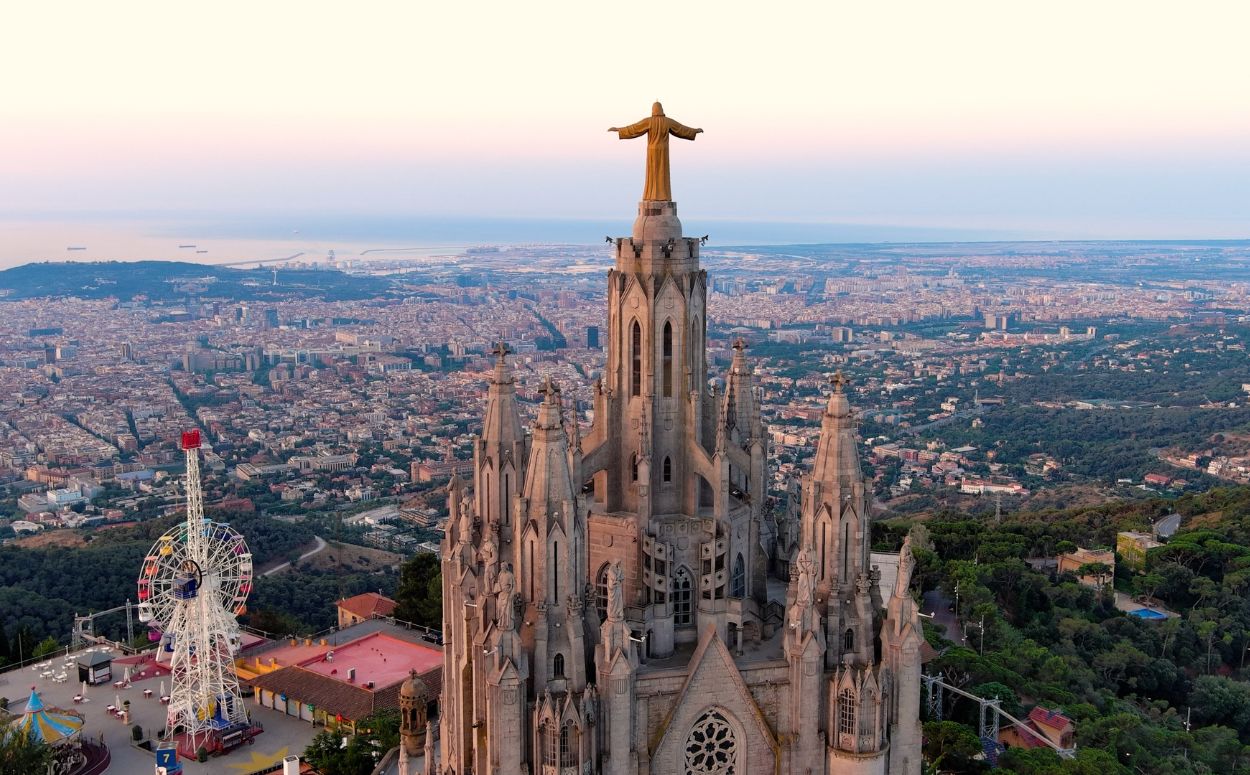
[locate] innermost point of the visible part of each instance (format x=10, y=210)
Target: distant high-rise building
x=49, y=354
x=126, y=353
x=842, y=334
x=997, y=322
x=271, y=318
x=592, y=337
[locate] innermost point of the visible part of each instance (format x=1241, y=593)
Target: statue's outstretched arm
x=682, y=131
x=633, y=130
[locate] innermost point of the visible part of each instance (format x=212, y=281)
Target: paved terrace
x=283, y=735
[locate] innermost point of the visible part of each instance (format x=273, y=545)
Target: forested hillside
x=1126, y=682
x=42, y=588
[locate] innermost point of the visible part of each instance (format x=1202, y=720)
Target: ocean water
x=226, y=238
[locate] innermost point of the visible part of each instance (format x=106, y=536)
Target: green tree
x=21, y=753
x=949, y=745
x=336, y=753
x=419, y=598
x=1219, y=700
x=45, y=647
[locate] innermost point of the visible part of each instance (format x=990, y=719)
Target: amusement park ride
x=195, y=581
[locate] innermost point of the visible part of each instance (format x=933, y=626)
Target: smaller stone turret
x=414, y=697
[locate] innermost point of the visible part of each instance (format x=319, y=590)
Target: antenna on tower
x=275, y=276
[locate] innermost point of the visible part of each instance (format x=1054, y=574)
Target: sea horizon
x=215, y=238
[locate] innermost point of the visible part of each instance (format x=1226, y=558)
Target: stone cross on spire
x=740, y=344
x=549, y=389
x=501, y=350
x=838, y=381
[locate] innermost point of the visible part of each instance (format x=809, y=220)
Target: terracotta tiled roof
x=1050, y=718
x=339, y=698
x=367, y=605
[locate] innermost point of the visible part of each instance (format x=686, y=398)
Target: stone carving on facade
x=906, y=562
x=505, y=600
x=616, y=593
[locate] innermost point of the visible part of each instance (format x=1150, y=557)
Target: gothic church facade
x=607, y=599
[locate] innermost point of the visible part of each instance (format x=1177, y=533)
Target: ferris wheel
x=194, y=582
x=171, y=574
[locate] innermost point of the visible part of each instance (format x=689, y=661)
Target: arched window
x=693, y=348
x=846, y=550
x=682, y=595
x=635, y=355
x=601, y=592
x=868, y=713
x=633, y=467
x=486, y=500
x=668, y=469
x=505, y=498
x=848, y=640
x=824, y=544
x=569, y=744
x=668, y=359
x=712, y=747
x=530, y=574
x=738, y=581
x=547, y=740
x=557, y=666
x=555, y=571
x=846, y=712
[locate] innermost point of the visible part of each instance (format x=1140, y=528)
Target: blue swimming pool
x=1148, y=613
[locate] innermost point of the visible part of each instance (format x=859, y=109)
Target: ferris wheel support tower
x=195, y=581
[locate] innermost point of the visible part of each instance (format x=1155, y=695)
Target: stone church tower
x=607, y=602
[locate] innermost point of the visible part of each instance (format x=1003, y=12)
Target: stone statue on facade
x=489, y=554
x=505, y=599
x=805, y=589
x=616, y=593
x=465, y=526
x=905, y=565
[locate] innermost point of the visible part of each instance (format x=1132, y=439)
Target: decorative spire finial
x=838, y=381
x=501, y=350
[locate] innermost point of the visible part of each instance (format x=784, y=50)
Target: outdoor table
x=77, y=698
x=147, y=693
x=165, y=700
x=111, y=708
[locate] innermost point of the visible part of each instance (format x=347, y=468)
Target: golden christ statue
x=657, y=129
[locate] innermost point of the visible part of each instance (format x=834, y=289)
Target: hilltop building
x=607, y=601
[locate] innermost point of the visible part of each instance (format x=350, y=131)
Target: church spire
x=500, y=452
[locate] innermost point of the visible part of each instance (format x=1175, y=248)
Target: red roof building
x=1040, y=726
x=362, y=608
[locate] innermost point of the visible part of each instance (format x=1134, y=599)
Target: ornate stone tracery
x=712, y=747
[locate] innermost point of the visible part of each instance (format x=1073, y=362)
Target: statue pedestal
x=657, y=221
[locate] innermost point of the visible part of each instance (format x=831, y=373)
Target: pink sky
x=960, y=114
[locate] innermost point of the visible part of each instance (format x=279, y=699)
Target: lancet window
x=635, y=355
x=682, y=597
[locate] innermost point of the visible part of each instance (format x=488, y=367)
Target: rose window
x=711, y=748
